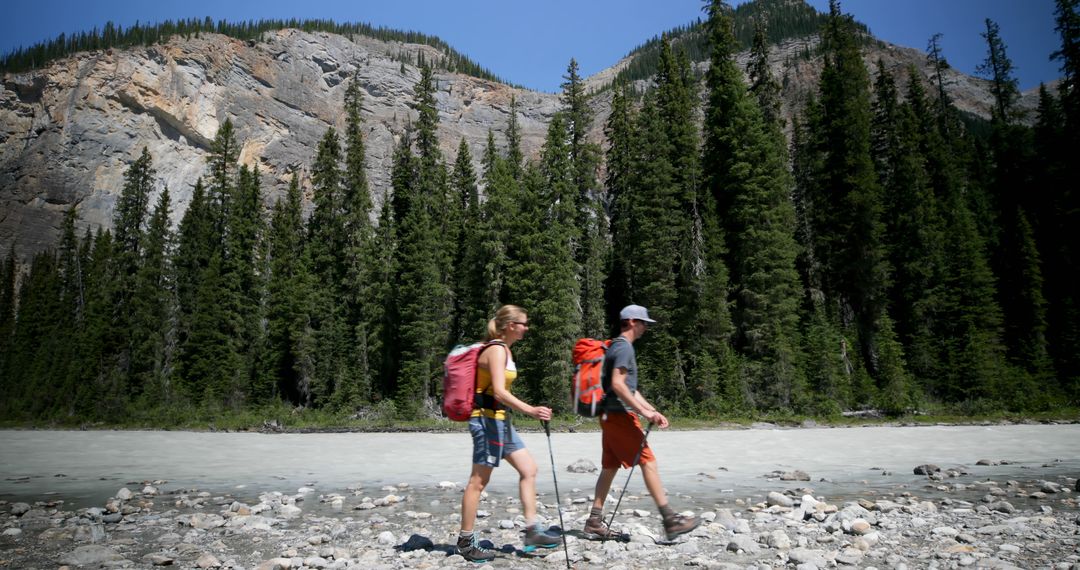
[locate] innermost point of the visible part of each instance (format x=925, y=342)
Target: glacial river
x=84, y=467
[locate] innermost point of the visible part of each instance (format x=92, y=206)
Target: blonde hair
x=503, y=317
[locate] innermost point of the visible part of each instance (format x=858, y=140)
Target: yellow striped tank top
x=483, y=386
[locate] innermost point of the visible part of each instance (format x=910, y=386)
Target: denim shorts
x=492, y=440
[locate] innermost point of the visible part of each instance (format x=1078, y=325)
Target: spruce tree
x=967, y=327
x=7, y=317
x=913, y=228
x=425, y=255
x=746, y=170
x=499, y=216
x=1063, y=292
x=221, y=176
x=676, y=95
x=153, y=307
x=358, y=258
x=217, y=239
x=591, y=240
x=620, y=161
x=469, y=262
x=69, y=367
x=325, y=244
x=132, y=209
x=649, y=251
x=847, y=206
x=101, y=376
x=1032, y=344
x=383, y=343
x=998, y=69
x=194, y=247
x=244, y=275
x=1018, y=262
x=541, y=275
x=514, y=157
x=763, y=85
x=938, y=64
x=288, y=365
x=38, y=385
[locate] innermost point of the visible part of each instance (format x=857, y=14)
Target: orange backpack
x=588, y=359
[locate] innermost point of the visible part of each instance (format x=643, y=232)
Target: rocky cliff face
x=68, y=131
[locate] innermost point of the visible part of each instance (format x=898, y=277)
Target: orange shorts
x=622, y=437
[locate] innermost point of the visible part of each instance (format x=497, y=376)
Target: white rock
x=12, y=532
x=289, y=511
x=779, y=540
x=779, y=499
x=124, y=494
x=275, y=564
x=208, y=560
x=387, y=538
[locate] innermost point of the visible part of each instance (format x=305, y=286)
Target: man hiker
x=623, y=439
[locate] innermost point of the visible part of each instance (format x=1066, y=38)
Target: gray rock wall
x=68, y=132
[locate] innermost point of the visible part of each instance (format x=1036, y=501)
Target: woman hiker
x=494, y=437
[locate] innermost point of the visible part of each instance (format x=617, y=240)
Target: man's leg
x=674, y=524
x=651, y=473
x=603, y=487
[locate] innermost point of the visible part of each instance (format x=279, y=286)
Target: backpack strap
x=605, y=381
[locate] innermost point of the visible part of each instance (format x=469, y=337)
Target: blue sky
x=531, y=43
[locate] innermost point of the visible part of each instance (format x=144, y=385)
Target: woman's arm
x=496, y=365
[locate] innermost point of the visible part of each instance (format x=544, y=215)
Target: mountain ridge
x=68, y=130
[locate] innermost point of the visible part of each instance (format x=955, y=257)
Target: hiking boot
x=677, y=525
x=469, y=548
x=535, y=538
x=597, y=529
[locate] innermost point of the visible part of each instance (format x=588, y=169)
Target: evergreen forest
x=882, y=255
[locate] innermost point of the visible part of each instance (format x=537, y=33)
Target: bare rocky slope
x=69, y=130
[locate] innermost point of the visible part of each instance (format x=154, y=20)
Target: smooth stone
x=207, y=560
x=779, y=499
x=91, y=555
x=744, y=543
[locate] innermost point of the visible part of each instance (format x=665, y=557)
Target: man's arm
x=635, y=399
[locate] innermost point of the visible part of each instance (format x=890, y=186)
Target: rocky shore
x=955, y=520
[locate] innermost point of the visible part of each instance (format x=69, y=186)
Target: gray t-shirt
x=619, y=355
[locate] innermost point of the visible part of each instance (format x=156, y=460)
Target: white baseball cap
x=636, y=312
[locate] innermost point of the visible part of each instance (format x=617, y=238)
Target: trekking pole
x=641, y=450
x=558, y=501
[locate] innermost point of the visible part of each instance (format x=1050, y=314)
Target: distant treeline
x=115, y=36
x=779, y=20
x=887, y=258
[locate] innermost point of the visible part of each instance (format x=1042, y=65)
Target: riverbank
x=1005, y=496
x=283, y=419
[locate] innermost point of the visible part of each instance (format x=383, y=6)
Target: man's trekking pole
x=558, y=501
x=641, y=450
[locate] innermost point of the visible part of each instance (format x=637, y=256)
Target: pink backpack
x=459, y=380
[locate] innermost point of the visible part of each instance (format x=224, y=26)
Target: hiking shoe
x=597, y=529
x=535, y=538
x=677, y=525
x=469, y=548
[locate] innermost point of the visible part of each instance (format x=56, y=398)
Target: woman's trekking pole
x=558, y=501
x=636, y=458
